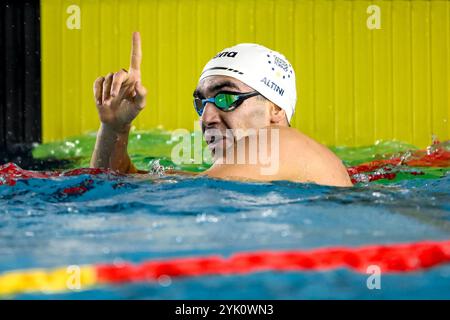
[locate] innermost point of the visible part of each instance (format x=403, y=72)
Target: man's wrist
x=112, y=130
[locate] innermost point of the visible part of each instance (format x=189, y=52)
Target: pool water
x=86, y=219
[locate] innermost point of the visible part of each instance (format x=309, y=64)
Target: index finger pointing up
x=136, y=52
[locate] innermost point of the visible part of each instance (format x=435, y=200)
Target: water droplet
x=71, y=209
x=164, y=280
x=376, y=194
x=268, y=213
x=206, y=218
x=434, y=139
x=156, y=225
x=284, y=233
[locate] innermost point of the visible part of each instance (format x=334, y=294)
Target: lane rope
x=390, y=258
x=435, y=155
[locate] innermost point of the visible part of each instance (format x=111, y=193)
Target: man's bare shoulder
x=292, y=156
x=304, y=147
x=310, y=160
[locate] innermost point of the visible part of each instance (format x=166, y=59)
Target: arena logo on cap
x=272, y=85
x=229, y=54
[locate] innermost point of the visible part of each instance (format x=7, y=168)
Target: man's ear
x=277, y=115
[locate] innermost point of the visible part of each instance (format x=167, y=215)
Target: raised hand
x=120, y=96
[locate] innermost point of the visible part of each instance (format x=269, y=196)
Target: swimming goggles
x=225, y=101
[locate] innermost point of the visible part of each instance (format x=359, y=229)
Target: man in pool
x=243, y=91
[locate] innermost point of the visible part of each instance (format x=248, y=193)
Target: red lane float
x=393, y=258
x=434, y=156
x=10, y=173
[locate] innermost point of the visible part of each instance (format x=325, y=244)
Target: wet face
x=253, y=113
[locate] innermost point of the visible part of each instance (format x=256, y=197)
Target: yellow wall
x=355, y=85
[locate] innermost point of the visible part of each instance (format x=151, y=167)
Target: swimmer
x=245, y=93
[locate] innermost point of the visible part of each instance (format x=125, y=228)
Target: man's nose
x=211, y=115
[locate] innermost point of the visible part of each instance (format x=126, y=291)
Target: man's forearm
x=111, y=150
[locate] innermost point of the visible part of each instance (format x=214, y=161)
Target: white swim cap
x=265, y=70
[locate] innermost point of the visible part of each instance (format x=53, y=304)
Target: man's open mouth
x=213, y=140
x=213, y=136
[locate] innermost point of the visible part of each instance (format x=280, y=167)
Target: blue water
x=121, y=218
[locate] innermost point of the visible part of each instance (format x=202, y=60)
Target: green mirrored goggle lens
x=225, y=101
